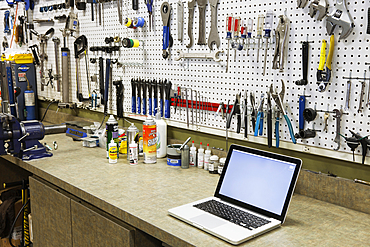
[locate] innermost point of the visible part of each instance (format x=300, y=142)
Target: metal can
x=150, y=140
x=132, y=136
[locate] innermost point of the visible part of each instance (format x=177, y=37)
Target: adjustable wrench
x=180, y=21
x=191, y=5
x=205, y=55
x=301, y=3
x=341, y=17
x=348, y=94
x=318, y=5
x=337, y=116
x=363, y=84
x=213, y=37
x=202, y=22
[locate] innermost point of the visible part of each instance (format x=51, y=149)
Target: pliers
x=235, y=111
x=278, y=98
x=253, y=113
x=269, y=120
x=259, y=123
x=245, y=115
x=149, y=5
x=281, y=41
x=323, y=76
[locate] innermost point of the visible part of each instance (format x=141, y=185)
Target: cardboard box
x=17, y=232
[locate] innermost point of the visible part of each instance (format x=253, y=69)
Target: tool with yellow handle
x=323, y=76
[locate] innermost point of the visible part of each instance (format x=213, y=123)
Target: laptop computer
x=251, y=198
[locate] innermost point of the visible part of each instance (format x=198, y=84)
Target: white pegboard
x=210, y=78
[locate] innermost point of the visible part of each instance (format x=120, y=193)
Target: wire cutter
x=235, y=111
x=259, y=123
x=149, y=5
x=278, y=98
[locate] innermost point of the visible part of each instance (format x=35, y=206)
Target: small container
x=221, y=165
x=133, y=153
x=207, y=155
x=193, y=155
x=112, y=152
x=185, y=157
x=173, y=156
x=200, y=157
x=213, y=164
x=150, y=140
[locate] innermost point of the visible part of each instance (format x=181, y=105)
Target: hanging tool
x=138, y=96
x=180, y=21
x=268, y=26
x=364, y=141
x=7, y=21
x=150, y=85
x=236, y=32
x=302, y=108
x=337, y=116
x=144, y=88
x=323, y=77
x=259, y=122
x=204, y=55
x=57, y=76
x=259, y=33
x=119, y=97
x=249, y=32
x=281, y=39
x=155, y=96
x=133, y=95
x=320, y=6
x=191, y=6
x=119, y=5
x=149, y=5
x=167, y=38
x=101, y=81
x=80, y=46
x=167, y=88
x=305, y=46
x=253, y=113
x=301, y=3
x=245, y=115
x=277, y=124
x=269, y=121
x=348, y=93
x=235, y=111
x=362, y=94
x=161, y=86
x=352, y=143
x=243, y=34
x=229, y=24
x=326, y=118
x=202, y=22
x=187, y=107
x=65, y=73
x=213, y=37
x=278, y=98
x=368, y=93
x=177, y=98
x=135, y=4
x=341, y=17
x=227, y=117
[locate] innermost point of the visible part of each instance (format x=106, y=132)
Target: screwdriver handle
x=150, y=106
x=368, y=21
x=277, y=123
x=302, y=107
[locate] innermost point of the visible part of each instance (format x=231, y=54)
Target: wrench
x=301, y=3
x=202, y=22
x=361, y=97
x=338, y=116
x=348, y=94
x=191, y=5
x=341, y=17
x=318, y=5
x=57, y=76
x=213, y=37
x=167, y=38
x=326, y=116
x=205, y=55
x=180, y=20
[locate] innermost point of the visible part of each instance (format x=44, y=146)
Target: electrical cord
x=47, y=108
x=105, y=115
x=15, y=220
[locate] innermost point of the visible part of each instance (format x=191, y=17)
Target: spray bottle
x=161, y=135
x=150, y=140
x=200, y=156
x=193, y=155
x=133, y=153
x=206, y=158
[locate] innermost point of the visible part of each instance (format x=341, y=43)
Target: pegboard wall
x=210, y=79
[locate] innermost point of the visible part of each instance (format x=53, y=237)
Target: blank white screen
x=257, y=180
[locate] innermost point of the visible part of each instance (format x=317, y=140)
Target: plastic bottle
x=200, y=156
x=150, y=140
x=112, y=132
x=161, y=136
x=112, y=150
x=193, y=155
x=206, y=158
x=133, y=154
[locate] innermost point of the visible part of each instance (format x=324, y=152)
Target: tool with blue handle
x=161, y=95
x=259, y=122
x=277, y=124
x=302, y=107
x=167, y=88
x=150, y=85
x=7, y=21
x=278, y=98
x=138, y=86
x=107, y=80
x=149, y=5
x=144, y=85
x=167, y=38
x=269, y=121
x=155, y=96
x=133, y=95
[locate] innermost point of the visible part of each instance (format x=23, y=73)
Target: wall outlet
x=306, y=149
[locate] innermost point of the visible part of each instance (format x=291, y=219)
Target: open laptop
x=251, y=198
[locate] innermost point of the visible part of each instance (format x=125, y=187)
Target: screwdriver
x=268, y=26
x=243, y=32
x=249, y=31
x=229, y=23
x=259, y=33
x=236, y=35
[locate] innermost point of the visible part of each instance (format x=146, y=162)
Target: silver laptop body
x=254, y=181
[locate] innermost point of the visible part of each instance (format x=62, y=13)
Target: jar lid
x=213, y=158
x=222, y=160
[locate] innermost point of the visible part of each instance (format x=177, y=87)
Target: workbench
x=139, y=197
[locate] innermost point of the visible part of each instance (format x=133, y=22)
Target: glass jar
x=213, y=164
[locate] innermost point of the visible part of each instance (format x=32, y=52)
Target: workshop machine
x=21, y=139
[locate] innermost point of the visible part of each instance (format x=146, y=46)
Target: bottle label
x=150, y=143
x=200, y=163
x=192, y=160
x=113, y=153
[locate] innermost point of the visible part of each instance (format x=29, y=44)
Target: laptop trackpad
x=208, y=221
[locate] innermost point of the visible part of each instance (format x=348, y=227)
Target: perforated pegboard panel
x=210, y=79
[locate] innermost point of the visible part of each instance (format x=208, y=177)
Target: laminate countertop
x=141, y=195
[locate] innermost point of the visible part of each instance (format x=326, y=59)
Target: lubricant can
x=150, y=140
x=132, y=136
x=112, y=132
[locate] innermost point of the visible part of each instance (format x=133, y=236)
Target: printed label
x=64, y=54
x=113, y=153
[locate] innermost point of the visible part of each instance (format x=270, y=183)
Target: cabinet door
x=91, y=229
x=51, y=216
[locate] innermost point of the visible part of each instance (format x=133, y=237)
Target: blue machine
x=22, y=138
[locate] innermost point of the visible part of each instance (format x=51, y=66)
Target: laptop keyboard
x=232, y=214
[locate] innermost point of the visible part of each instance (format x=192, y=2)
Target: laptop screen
x=259, y=179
